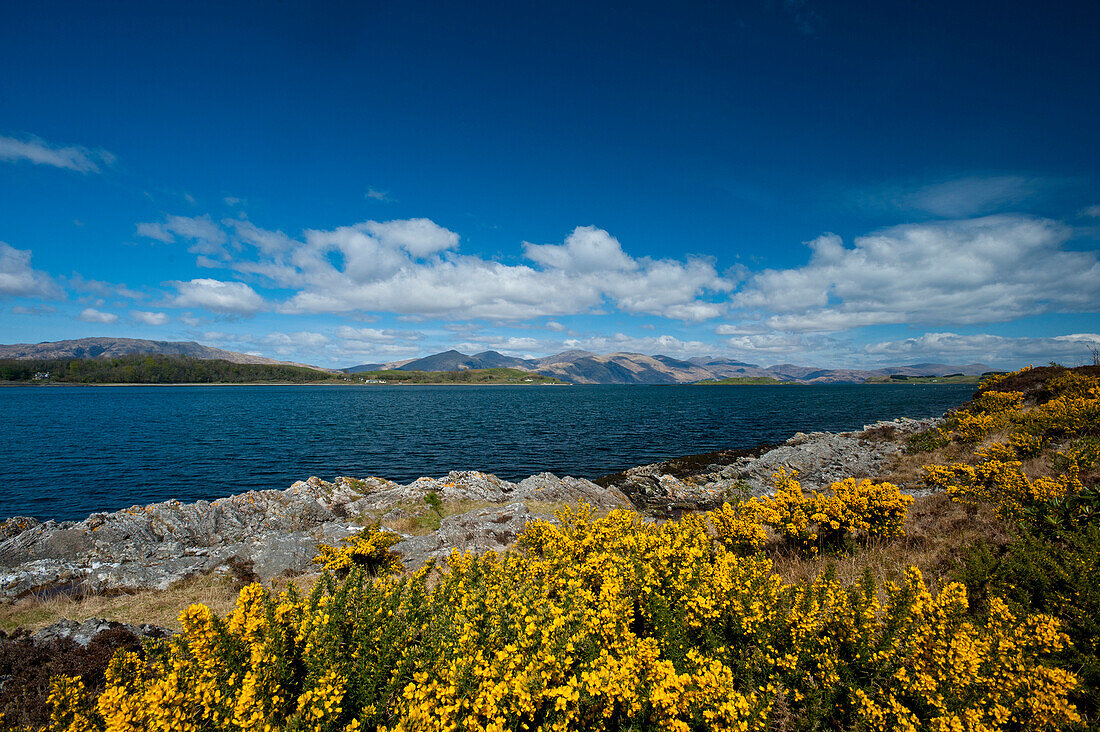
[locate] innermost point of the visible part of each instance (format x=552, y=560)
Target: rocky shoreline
x=274, y=533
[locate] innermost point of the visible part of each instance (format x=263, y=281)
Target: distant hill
x=115, y=347
x=154, y=368
x=495, y=375
x=585, y=367
x=744, y=381
x=577, y=367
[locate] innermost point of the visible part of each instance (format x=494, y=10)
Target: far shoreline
x=284, y=383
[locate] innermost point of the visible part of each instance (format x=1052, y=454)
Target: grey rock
x=480, y=530
x=822, y=458
x=547, y=487
x=277, y=532
x=83, y=633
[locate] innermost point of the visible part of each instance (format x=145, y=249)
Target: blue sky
x=779, y=181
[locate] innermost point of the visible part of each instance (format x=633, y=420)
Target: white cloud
x=33, y=310
x=585, y=251
x=974, y=195
x=19, y=279
x=217, y=296
x=959, y=197
x=268, y=242
x=301, y=341
x=952, y=347
x=519, y=346
x=372, y=335
x=740, y=329
x=40, y=152
x=665, y=345
x=420, y=237
x=770, y=343
x=91, y=315
x=149, y=317
x=378, y=195
x=205, y=236
x=991, y=269
x=410, y=268
x=554, y=326
x=1091, y=211
x=104, y=289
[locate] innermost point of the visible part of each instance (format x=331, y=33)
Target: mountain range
x=584, y=367
x=115, y=347
x=578, y=367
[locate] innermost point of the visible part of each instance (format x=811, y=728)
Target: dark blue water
x=68, y=451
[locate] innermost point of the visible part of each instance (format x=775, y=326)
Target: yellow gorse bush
x=601, y=624
x=1072, y=411
x=1000, y=482
x=369, y=549
x=851, y=510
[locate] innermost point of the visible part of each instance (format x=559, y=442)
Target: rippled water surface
x=68, y=451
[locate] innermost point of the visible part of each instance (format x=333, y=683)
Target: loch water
x=66, y=452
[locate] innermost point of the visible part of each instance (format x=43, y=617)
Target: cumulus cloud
x=520, y=346
x=299, y=342
x=420, y=237
x=149, y=317
x=1073, y=347
x=217, y=296
x=666, y=345
x=19, y=279
x=739, y=329
x=91, y=315
x=40, y=152
x=585, y=251
x=991, y=269
x=412, y=268
x=372, y=335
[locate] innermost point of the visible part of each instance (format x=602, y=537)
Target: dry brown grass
x=217, y=590
x=938, y=531
x=907, y=469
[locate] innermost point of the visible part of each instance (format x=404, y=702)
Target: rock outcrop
x=480, y=530
x=271, y=533
x=821, y=458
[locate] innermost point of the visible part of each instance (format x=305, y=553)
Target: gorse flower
x=369, y=549
x=609, y=623
x=852, y=510
x=617, y=623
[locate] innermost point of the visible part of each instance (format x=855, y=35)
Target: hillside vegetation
x=618, y=623
x=903, y=379
x=464, y=376
x=744, y=381
x=151, y=369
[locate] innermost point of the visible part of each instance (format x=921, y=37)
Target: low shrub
x=851, y=511
x=369, y=549
x=603, y=624
x=1059, y=576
